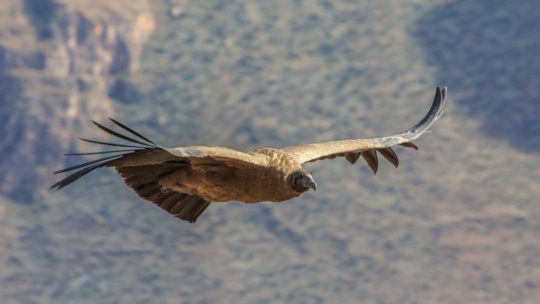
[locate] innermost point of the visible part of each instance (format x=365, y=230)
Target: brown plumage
x=185, y=180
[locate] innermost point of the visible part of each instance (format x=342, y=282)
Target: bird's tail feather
x=87, y=167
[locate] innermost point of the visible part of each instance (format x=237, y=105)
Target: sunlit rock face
x=61, y=62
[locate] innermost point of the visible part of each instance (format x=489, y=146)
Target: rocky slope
x=456, y=223
x=61, y=63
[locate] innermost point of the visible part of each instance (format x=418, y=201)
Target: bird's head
x=302, y=180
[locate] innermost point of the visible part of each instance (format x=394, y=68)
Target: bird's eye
x=296, y=178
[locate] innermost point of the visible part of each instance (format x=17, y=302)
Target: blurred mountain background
x=458, y=222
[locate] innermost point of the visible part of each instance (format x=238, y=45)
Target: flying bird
x=185, y=180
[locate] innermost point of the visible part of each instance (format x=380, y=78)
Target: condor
x=185, y=180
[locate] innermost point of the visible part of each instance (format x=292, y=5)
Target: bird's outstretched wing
x=144, y=180
x=368, y=148
x=142, y=163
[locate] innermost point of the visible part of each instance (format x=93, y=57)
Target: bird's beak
x=312, y=184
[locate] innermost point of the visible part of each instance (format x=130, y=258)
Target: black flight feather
x=121, y=125
x=114, y=133
x=75, y=176
x=87, y=164
x=433, y=113
x=390, y=155
x=87, y=167
x=110, y=144
x=101, y=152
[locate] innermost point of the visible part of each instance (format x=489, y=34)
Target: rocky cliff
x=61, y=62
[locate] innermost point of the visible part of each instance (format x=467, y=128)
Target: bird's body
x=185, y=180
x=249, y=184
